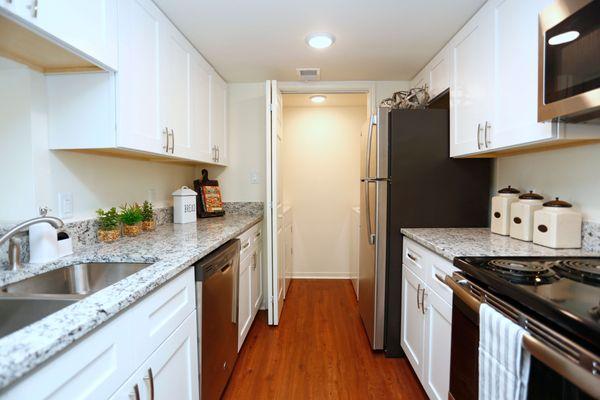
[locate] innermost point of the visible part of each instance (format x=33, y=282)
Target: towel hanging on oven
x=503, y=362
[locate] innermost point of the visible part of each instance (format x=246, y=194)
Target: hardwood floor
x=319, y=351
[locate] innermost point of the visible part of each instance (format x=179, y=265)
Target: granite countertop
x=171, y=248
x=481, y=242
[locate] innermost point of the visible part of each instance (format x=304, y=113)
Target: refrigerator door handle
x=372, y=123
x=370, y=234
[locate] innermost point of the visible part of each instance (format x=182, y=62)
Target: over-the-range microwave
x=569, y=61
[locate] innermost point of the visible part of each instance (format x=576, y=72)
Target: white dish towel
x=503, y=362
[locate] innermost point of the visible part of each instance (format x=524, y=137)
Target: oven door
x=569, y=61
x=544, y=382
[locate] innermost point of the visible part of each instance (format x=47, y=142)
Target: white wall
x=246, y=144
x=36, y=175
x=385, y=89
x=321, y=182
x=570, y=173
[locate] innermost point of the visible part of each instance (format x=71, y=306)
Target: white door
x=138, y=78
x=218, y=118
x=515, y=74
x=289, y=256
x=412, y=323
x=275, y=240
x=438, y=335
x=471, y=96
x=89, y=26
x=175, y=90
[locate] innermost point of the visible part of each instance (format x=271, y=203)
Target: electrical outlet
x=254, y=177
x=65, y=205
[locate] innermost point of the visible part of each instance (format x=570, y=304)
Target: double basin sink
x=25, y=302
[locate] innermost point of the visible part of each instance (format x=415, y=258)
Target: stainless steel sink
x=80, y=279
x=17, y=312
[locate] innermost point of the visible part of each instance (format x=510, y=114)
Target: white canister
x=501, y=203
x=557, y=226
x=184, y=205
x=521, y=215
x=43, y=243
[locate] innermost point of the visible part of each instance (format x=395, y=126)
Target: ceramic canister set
x=527, y=217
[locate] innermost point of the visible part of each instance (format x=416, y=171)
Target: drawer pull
x=136, y=393
x=245, y=246
x=439, y=278
x=418, y=293
x=411, y=256
x=150, y=380
x=258, y=234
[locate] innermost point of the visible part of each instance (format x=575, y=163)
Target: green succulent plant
x=147, y=211
x=131, y=214
x=108, y=220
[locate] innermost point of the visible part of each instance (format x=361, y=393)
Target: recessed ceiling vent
x=309, y=74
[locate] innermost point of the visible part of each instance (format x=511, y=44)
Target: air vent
x=309, y=74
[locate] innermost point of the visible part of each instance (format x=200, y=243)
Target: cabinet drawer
x=415, y=258
x=257, y=235
x=247, y=239
x=441, y=267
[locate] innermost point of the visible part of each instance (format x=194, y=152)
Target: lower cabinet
x=426, y=329
x=151, y=346
x=250, y=280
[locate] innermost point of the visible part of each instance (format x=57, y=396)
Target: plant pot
x=108, y=236
x=132, y=230
x=148, y=225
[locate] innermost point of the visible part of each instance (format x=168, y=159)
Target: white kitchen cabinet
x=471, y=84
x=413, y=320
x=439, y=73
x=107, y=359
x=88, y=29
x=200, y=108
x=250, y=280
x=218, y=118
x=438, y=336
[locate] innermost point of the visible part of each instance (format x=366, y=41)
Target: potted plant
x=148, y=223
x=131, y=217
x=109, y=224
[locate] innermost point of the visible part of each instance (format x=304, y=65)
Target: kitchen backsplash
x=85, y=232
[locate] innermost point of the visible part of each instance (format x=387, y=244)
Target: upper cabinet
x=165, y=100
x=491, y=68
x=44, y=28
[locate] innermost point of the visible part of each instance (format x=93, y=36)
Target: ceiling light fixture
x=320, y=40
x=319, y=98
x=563, y=38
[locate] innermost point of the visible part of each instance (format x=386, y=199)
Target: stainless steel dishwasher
x=217, y=289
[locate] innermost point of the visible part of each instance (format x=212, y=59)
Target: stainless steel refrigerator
x=408, y=180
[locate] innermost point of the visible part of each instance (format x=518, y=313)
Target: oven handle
x=581, y=377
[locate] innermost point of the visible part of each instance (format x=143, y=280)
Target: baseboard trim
x=320, y=275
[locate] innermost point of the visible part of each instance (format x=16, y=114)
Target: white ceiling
x=332, y=100
x=254, y=40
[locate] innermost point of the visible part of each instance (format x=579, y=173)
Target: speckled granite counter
x=172, y=249
x=457, y=242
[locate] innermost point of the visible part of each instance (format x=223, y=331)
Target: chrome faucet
x=14, y=249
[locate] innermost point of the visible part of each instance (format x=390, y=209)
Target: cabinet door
x=472, y=58
x=439, y=74
x=138, y=78
x=244, y=299
x=515, y=74
x=218, y=117
x=199, y=109
x=438, y=332
x=174, y=365
x=412, y=320
x=175, y=84
x=420, y=79
x=256, y=278
x=89, y=27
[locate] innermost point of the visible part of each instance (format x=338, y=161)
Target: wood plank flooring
x=319, y=351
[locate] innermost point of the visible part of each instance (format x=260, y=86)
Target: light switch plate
x=254, y=177
x=65, y=205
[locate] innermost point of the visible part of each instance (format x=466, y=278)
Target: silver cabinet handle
x=172, y=140
x=245, y=246
x=418, y=292
x=439, y=278
x=166, y=147
x=487, y=140
x=255, y=261
x=150, y=380
x=257, y=235
x=479, y=144
x=218, y=153
x=409, y=255
x=135, y=395
x=33, y=7
x=423, y=301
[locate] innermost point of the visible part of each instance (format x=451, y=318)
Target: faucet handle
x=44, y=210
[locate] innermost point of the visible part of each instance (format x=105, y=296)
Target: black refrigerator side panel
x=428, y=189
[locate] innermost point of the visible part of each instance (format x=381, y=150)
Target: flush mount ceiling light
x=320, y=40
x=319, y=98
x=563, y=38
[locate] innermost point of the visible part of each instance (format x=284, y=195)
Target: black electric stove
x=563, y=291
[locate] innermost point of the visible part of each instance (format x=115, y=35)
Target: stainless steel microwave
x=569, y=61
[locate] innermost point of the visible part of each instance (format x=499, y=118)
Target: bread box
x=521, y=215
x=500, y=221
x=557, y=226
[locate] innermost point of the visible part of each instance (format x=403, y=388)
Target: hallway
x=319, y=351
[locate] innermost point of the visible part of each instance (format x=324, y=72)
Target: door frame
x=285, y=87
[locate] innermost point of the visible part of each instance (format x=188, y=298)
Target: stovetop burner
x=523, y=272
x=582, y=270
